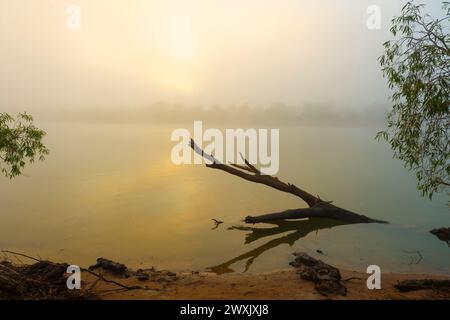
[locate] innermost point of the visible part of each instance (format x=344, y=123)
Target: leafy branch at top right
x=416, y=64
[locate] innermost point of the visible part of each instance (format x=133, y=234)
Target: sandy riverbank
x=280, y=285
x=109, y=280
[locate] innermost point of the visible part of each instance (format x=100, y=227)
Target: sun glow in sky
x=181, y=39
x=181, y=53
x=168, y=31
x=132, y=53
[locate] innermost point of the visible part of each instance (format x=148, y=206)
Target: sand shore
x=109, y=280
x=279, y=285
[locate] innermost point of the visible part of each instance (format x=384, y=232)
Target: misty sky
x=133, y=53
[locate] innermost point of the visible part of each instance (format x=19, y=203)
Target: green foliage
x=20, y=142
x=417, y=66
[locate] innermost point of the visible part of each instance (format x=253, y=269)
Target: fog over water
x=110, y=94
x=318, y=57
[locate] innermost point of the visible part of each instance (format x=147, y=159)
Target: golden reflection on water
x=112, y=191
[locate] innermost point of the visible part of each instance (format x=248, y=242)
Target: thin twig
x=22, y=255
x=352, y=278
x=101, y=277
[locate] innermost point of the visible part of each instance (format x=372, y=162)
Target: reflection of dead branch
x=217, y=223
x=295, y=230
x=250, y=256
x=420, y=257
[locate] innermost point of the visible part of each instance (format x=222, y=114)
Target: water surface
x=112, y=190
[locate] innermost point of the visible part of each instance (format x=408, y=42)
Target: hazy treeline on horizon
x=317, y=57
x=164, y=113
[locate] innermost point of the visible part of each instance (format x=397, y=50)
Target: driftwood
x=106, y=264
x=317, y=207
x=426, y=284
x=119, y=269
x=327, y=279
x=43, y=280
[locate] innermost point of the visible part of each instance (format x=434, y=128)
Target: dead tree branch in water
x=317, y=207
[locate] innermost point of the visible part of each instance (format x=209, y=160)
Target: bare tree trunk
x=321, y=209
x=317, y=207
